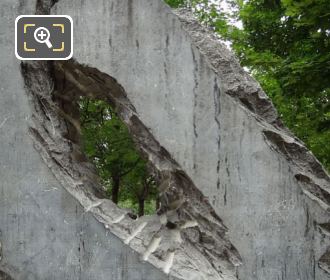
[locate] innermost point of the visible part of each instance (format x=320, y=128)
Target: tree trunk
x=157, y=204
x=115, y=189
x=141, y=207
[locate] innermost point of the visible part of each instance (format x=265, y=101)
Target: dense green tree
x=285, y=44
x=109, y=145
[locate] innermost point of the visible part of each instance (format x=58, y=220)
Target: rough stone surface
x=195, y=114
x=44, y=232
x=218, y=125
x=186, y=238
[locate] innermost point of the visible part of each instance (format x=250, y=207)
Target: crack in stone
x=309, y=172
x=324, y=262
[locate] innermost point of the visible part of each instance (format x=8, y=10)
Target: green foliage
x=107, y=142
x=286, y=46
x=176, y=3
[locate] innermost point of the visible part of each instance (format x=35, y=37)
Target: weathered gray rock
x=196, y=115
x=44, y=232
x=218, y=125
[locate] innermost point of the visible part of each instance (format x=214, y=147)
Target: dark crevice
x=325, y=228
x=314, y=190
x=297, y=152
x=324, y=262
x=43, y=6
x=5, y=276
x=309, y=172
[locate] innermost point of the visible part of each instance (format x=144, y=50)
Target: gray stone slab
x=44, y=232
x=172, y=79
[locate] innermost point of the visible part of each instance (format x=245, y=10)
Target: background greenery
x=124, y=172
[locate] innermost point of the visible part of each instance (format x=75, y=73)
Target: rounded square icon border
x=63, y=58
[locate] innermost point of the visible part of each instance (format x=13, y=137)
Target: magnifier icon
x=41, y=35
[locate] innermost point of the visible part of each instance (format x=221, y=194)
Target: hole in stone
x=186, y=234
x=124, y=172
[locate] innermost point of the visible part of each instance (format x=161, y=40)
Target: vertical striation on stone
x=44, y=232
x=252, y=191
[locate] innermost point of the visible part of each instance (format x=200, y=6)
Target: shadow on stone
x=5, y=276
